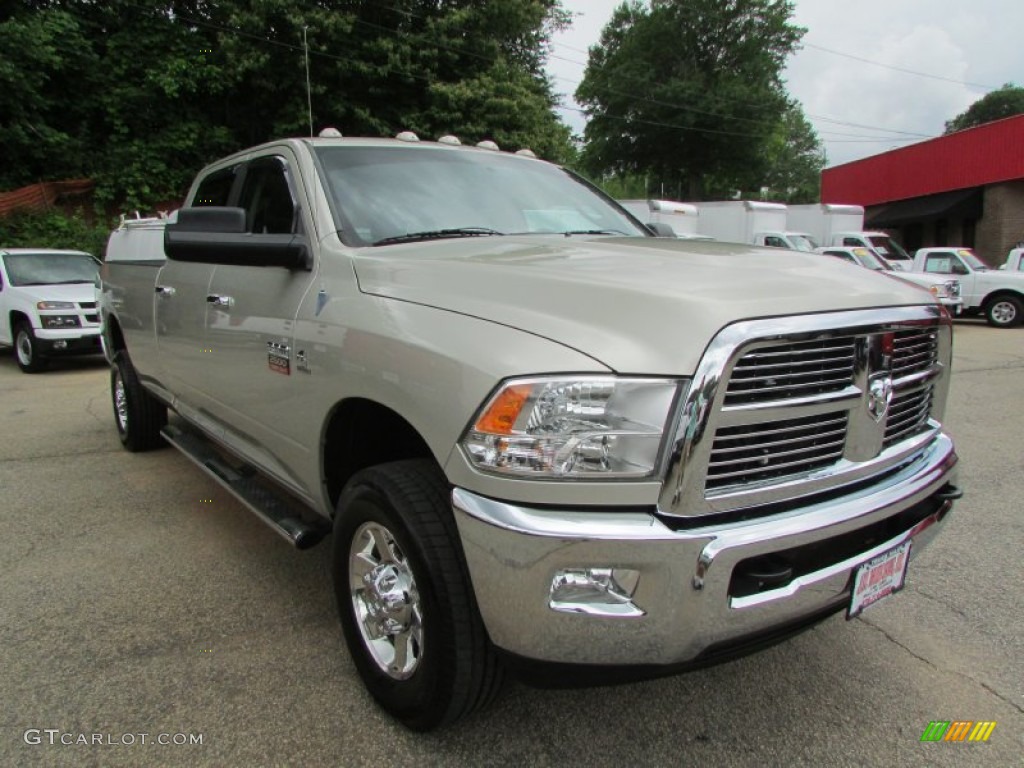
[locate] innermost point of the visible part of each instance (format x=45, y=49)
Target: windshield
x=971, y=260
x=50, y=268
x=889, y=248
x=398, y=194
x=803, y=243
x=871, y=261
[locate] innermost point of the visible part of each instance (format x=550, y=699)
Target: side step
x=272, y=507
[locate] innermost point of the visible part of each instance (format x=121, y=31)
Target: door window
x=215, y=188
x=267, y=198
x=941, y=263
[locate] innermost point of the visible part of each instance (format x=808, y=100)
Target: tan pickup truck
x=539, y=436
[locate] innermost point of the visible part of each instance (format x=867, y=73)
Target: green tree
x=995, y=105
x=139, y=96
x=689, y=92
x=795, y=159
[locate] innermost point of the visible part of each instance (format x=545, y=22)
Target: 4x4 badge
x=879, y=396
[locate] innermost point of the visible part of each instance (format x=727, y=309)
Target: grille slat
x=795, y=369
x=914, y=351
x=908, y=415
x=775, y=449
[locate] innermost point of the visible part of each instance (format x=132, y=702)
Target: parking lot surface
x=138, y=598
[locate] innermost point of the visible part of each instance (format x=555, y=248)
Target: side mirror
x=661, y=229
x=217, y=235
x=960, y=269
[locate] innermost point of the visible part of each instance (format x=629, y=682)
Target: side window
x=267, y=199
x=774, y=242
x=852, y=241
x=939, y=263
x=215, y=188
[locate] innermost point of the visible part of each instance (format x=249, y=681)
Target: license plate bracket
x=879, y=577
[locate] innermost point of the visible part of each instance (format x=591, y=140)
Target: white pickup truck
x=48, y=305
x=1014, y=261
x=537, y=435
x=997, y=294
x=945, y=290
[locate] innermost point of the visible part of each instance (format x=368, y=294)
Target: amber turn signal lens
x=501, y=415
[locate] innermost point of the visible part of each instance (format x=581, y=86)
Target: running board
x=244, y=484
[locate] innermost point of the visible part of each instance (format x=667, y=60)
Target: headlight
x=583, y=427
x=54, y=305
x=953, y=288
x=60, y=321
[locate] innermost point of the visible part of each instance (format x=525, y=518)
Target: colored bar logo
x=958, y=730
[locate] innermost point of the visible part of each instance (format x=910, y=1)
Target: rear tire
x=1004, y=312
x=138, y=415
x=405, y=600
x=26, y=349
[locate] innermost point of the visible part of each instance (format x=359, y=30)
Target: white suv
x=48, y=304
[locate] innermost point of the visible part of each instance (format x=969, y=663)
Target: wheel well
x=17, y=317
x=362, y=433
x=1000, y=294
x=115, y=338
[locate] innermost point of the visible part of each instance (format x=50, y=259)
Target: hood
x=637, y=305
x=60, y=292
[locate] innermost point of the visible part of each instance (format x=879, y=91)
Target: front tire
x=138, y=415
x=405, y=600
x=26, y=349
x=1004, y=312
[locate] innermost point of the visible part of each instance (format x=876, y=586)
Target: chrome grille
x=796, y=369
x=908, y=415
x=914, y=350
x=775, y=449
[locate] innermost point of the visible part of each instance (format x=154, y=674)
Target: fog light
x=595, y=591
x=60, y=344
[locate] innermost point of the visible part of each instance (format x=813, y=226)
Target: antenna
x=309, y=95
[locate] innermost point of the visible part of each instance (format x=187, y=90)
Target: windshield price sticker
x=879, y=578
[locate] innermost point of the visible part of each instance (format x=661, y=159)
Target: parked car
x=945, y=290
x=1014, y=261
x=997, y=294
x=48, y=305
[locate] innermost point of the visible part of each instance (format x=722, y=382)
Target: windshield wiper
x=438, y=234
x=572, y=232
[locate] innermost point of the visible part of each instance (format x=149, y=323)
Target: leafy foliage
x=56, y=229
x=139, y=96
x=995, y=105
x=689, y=93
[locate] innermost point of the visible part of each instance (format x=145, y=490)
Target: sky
x=851, y=75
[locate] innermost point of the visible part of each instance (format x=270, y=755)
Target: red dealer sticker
x=878, y=578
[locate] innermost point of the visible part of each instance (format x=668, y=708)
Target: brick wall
x=1002, y=225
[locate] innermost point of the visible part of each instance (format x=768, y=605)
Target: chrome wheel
x=1003, y=312
x=23, y=345
x=386, y=601
x=120, y=403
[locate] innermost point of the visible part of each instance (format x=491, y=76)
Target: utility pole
x=309, y=95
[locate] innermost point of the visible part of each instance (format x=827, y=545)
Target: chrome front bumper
x=683, y=591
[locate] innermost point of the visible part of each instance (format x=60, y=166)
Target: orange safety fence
x=39, y=197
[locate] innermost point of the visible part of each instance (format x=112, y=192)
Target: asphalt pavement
x=139, y=604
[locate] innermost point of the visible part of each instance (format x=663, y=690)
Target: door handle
x=220, y=301
x=165, y=290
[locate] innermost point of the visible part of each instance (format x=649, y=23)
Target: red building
x=963, y=189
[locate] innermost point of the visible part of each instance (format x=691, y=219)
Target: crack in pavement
x=68, y=455
x=919, y=657
x=958, y=611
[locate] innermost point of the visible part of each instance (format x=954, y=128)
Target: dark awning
x=959, y=204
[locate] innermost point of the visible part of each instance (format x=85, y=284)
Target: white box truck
x=681, y=217
x=749, y=221
x=822, y=221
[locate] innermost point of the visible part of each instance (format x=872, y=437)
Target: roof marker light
x=487, y=144
x=449, y=139
x=330, y=133
x=407, y=136
x=526, y=152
